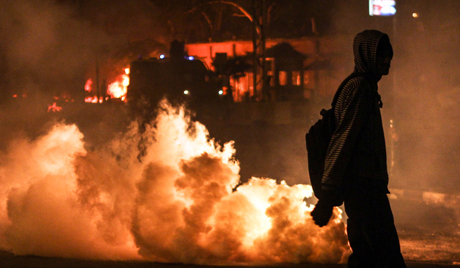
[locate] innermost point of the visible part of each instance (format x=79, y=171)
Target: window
x=296, y=78
x=283, y=78
x=308, y=79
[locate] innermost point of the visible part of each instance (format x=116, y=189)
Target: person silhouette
x=355, y=171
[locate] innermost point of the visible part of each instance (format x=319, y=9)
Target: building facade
x=302, y=69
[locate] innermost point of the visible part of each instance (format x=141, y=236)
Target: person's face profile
x=384, y=62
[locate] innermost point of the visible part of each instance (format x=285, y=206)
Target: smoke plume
x=50, y=48
x=182, y=203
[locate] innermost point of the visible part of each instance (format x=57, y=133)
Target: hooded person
x=355, y=171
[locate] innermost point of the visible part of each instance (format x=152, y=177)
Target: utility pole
x=259, y=15
x=98, y=93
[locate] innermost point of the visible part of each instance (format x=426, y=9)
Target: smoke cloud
x=183, y=203
x=50, y=47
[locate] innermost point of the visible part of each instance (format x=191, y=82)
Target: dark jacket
x=356, y=154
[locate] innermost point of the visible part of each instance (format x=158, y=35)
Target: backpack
x=317, y=141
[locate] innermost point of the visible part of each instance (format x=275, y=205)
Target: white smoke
x=181, y=204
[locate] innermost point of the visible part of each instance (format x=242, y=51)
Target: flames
x=119, y=88
x=115, y=90
x=54, y=108
x=183, y=203
x=89, y=91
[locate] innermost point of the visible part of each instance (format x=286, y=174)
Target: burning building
x=309, y=66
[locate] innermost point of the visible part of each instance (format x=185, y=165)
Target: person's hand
x=322, y=213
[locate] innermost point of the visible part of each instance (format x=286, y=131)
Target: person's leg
x=389, y=250
x=360, y=235
x=371, y=232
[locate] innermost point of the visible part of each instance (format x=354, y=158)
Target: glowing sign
x=382, y=7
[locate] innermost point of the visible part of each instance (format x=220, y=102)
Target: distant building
x=302, y=69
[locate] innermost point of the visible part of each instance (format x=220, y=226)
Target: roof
x=284, y=50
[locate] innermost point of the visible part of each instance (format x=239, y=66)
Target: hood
x=365, y=51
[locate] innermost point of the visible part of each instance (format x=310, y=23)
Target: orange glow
x=119, y=88
x=93, y=99
x=23, y=95
x=88, y=89
x=115, y=90
x=184, y=203
x=54, y=108
x=88, y=85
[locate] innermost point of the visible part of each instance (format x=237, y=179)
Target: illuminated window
x=296, y=78
x=250, y=81
x=308, y=79
x=240, y=90
x=283, y=78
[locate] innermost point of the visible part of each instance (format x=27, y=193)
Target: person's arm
x=355, y=110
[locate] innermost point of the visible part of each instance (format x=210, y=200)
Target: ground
x=8, y=260
x=421, y=250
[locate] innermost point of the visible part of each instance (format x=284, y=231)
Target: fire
x=23, y=95
x=88, y=85
x=88, y=89
x=93, y=99
x=119, y=88
x=116, y=90
x=181, y=204
x=54, y=108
